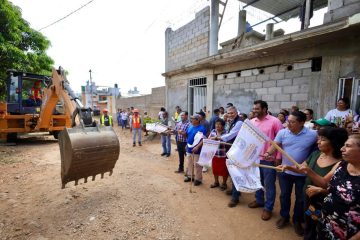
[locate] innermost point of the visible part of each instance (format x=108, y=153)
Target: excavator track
x=87, y=152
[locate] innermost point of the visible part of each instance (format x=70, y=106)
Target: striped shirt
x=221, y=152
x=184, y=127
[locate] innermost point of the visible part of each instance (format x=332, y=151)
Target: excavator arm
x=59, y=90
x=86, y=148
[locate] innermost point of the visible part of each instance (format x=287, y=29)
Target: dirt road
x=143, y=199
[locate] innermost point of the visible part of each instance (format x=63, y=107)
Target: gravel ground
x=143, y=199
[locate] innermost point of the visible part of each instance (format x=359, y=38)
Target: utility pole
x=91, y=91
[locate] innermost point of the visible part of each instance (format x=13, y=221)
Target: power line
x=185, y=15
x=158, y=16
x=66, y=15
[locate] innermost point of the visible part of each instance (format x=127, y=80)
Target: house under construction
x=310, y=68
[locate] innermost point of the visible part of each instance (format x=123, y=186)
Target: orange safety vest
x=136, y=122
x=35, y=93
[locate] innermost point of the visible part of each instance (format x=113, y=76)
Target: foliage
x=148, y=119
x=21, y=47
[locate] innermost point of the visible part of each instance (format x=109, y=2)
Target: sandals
x=223, y=187
x=214, y=185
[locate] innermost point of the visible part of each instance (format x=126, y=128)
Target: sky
x=123, y=42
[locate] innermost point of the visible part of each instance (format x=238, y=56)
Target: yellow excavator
x=37, y=103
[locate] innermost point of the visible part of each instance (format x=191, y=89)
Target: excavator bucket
x=86, y=152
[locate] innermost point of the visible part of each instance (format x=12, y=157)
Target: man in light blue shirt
x=298, y=141
x=235, y=125
x=229, y=137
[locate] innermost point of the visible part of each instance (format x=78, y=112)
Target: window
x=14, y=89
x=316, y=64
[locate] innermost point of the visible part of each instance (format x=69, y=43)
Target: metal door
x=199, y=98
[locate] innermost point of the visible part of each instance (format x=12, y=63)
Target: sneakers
x=266, y=215
x=298, y=229
x=233, y=203
x=197, y=183
x=254, y=204
x=281, y=223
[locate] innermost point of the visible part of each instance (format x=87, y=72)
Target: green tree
x=21, y=47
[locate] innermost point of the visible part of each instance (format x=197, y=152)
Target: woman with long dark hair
x=321, y=162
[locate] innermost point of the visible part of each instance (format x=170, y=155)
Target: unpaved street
x=143, y=199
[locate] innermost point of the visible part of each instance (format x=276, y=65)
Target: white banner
x=247, y=146
x=156, y=127
x=197, y=138
x=243, y=154
x=159, y=128
x=244, y=179
x=150, y=126
x=208, y=151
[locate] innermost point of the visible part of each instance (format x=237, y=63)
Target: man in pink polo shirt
x=270, y=126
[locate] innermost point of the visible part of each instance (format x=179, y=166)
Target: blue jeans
x=235, y=194
x=136, y=131
x=268, y=178
x=286, y=182
x=166, y=143
x=123, y=124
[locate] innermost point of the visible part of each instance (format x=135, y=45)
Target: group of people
x=126, y=119
x=326, y=176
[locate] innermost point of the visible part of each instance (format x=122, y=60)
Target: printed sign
x=244, y=179
x=247, y=146
x=208, y=151
x=156, y=127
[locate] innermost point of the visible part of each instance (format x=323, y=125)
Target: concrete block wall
x=157, y=96
x=150, y=102
x=340, y=9
x=177, y=89
x=280, y=87
x=188, y=43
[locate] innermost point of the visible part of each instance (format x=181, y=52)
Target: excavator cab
x=24, y=92
x=86, y=148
